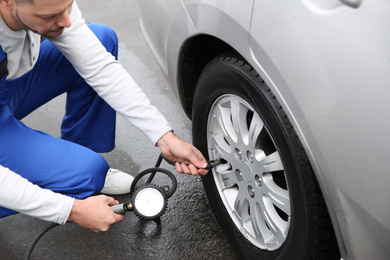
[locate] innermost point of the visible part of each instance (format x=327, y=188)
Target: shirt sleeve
x=18, y=194
x=108, y=78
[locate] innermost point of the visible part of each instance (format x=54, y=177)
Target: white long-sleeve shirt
x=103, y=73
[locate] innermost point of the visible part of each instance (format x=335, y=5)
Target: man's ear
x=7, y=4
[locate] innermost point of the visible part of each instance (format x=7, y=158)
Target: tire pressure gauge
x=149, y=201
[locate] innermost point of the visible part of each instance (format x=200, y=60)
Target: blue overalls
x=70, y=165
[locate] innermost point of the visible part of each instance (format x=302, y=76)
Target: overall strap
x=3, y=64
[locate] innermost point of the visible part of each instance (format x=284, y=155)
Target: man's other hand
x=95, y=213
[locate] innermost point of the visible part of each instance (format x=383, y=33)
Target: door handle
x=328, y=6
x=352, y=3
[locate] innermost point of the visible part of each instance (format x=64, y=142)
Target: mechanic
x=49, y=50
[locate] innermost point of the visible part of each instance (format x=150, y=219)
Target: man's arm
x=115, y=85
x=18, y=194
x=108, y=78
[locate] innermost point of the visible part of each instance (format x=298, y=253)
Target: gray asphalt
x=188, y=230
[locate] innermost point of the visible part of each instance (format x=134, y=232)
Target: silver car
x=293, y=97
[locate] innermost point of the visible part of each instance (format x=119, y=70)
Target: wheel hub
x=247, y=170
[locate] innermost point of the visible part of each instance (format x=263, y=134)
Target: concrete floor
x=188, y=230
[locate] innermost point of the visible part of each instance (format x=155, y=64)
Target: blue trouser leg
x=69, y=165
x=88, y=120
x=49, y=162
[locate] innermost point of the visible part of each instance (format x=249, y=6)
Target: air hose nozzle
x=214, y=163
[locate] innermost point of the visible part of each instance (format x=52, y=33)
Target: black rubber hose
x=153, y=170
x=31, y=248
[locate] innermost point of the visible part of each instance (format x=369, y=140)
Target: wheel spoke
x=255, y=127
x=271, y=163
x=261, y=231
x=220, y=144
x=244, y=211
x=235, y=109
x=239, y=204
x=276, y=225
x=226, y=123
x=229, y=179
x=279, y=197
x=219, y=132
x=239, y=117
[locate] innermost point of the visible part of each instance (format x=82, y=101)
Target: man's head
x=46, y=17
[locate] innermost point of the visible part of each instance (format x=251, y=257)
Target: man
x=55, y=179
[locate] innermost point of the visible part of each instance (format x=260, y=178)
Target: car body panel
x=332, y=63
x=168, y=24
x=173, y=23
x=203, y=15
x=328, y=65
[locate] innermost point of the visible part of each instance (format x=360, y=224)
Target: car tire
x=264, y=195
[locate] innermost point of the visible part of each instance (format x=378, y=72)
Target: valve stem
x=214, y=163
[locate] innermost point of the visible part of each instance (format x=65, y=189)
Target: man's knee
x=92, y=177
x=80, y=173
x=107, y=37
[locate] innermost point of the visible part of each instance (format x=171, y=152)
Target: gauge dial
x=149, y=201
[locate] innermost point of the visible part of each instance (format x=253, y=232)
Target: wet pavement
x=188, y=229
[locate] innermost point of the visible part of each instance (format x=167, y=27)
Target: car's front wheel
x=265, y=197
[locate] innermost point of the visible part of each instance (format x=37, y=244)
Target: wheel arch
x=195, y=54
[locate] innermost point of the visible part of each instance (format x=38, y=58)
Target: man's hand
x=189, y=160
x=94, y=213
